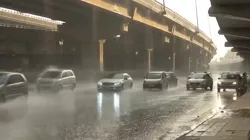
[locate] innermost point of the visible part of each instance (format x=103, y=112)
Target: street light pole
x=197, y=16
x=61, y=50
x=164, y=7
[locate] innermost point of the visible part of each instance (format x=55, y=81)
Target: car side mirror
x=219, y=78
x=125, y=78
x=189, y=77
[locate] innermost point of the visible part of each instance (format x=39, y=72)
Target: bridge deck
x=12, y=18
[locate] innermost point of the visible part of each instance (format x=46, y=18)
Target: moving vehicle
x=200, y=80
x=228, y=80
x=156, y=79
x=115, y=81
x=172, y=79
x=56, y=80
x=12, y=85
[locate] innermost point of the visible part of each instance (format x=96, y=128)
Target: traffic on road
x=116, y=107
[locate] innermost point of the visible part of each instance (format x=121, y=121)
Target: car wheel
x=211, y=88
x=131, y=85
x=73, y=87
x=218, y=90
x=205, y=88
x=2, y=98
x=161, y=87
x=59, y=89
x=122, y=87
x=26, y=93
x=167, y=87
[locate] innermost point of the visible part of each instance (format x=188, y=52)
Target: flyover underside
x=233, y=18
x=82, y=33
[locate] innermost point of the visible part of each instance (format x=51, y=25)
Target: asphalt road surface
x=89, y=115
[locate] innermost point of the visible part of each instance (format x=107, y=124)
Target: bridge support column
x=149, y=47
x=149, y=58
x=101, y=54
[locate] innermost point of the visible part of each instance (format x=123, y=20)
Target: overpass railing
x=158, y=7
x=26, y=20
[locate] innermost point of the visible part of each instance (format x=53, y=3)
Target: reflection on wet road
x=88, y=115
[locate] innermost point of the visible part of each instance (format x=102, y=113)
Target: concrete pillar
x=90, y=49
x=101, y=55
x=149, y=48
x=149, y=59
x=173, y=47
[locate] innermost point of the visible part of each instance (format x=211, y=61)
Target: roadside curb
x=180, y=137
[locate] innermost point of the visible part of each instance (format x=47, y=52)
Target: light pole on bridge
x=61, y=50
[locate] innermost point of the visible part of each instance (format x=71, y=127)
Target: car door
x=126, y=80
x=210, y=80
x=71, y=78
x=164, y=79
x=173, y=79
x=168, y=76
x=21, y=84
x=64, y=79
x=207, y=79
x=130, y=80
x=15, y=86
x=10, y=87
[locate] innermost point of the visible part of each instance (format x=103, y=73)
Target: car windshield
x=153, y=76
x=197, y=76
x=51, y=74
x=229, y=76
x=114, y=76
x=2, y=78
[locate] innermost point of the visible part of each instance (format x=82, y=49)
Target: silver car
x=201, y=80
x=12, y=85
x=228, y=81
x=156, y=79
x=118, y=81
x=56, y=80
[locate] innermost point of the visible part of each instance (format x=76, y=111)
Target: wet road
x=89, y=115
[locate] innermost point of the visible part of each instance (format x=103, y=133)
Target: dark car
x=172, y=79
x=156, y=79
x=200, y=80
x=228, y=81
x=12, y=85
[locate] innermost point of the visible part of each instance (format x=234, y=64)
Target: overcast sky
x=186, y=8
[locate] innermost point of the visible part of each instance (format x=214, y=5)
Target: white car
x=56, y=80
x=118, y=81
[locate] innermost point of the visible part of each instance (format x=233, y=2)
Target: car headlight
x=234, y=83
x=219, y=83
x=99, y=83
x=116, y=84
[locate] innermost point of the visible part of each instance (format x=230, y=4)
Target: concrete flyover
x=234, y=21
x=112, y=35
x=17, y=19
